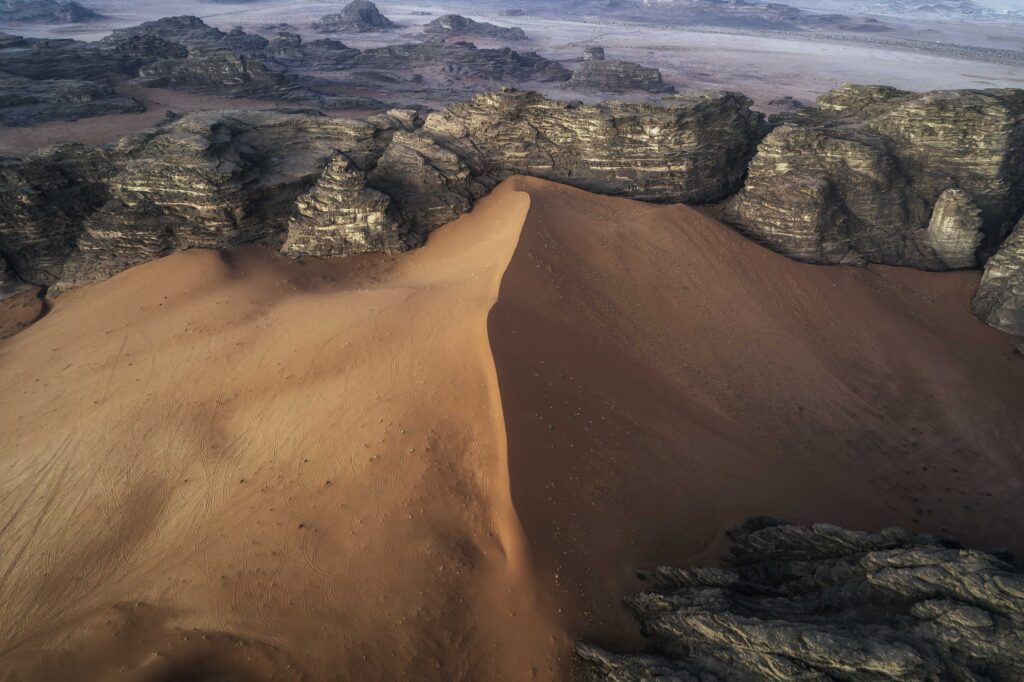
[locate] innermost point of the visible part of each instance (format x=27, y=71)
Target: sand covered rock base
x=822, y=602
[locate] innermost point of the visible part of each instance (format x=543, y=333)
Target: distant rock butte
x=823, y=603
x=927, y=180
x=359, y=16
x=597, y=73
x=457, y=25
x=1000, y=298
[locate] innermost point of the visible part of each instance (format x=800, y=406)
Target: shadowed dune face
x=663, y=378
x=446, y=464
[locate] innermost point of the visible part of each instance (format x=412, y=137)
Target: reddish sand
x=447, y=464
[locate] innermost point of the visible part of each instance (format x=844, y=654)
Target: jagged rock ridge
x=886, y=176
x=824, y=603
x=46, y=11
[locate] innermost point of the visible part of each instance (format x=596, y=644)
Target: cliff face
x=1000, y=298
x=219, y=179
x=884, y=176
x=822, y=603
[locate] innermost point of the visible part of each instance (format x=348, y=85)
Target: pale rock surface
x=1000, y=298
x=823, y=603
x=340, y=216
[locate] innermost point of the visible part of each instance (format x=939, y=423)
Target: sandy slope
x=444, y=465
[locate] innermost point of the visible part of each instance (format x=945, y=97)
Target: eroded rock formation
x=885, y=176
x=46, y=11
x=1000, y=298
x=358, y=16
x=218, y=179
x=824, y=603
x=25, y=102
x=607, y=75
x=457, y=25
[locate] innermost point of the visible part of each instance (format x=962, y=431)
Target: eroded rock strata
x=885, y=176
x=358, y=16
x=218, y=179
x=824, y=603
x=25, y=102
x=1000, y=298
x=608, y=75
x=46, y=11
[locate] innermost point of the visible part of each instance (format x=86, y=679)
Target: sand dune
x=445, y=464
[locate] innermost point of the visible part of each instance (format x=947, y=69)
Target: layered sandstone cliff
x=885, y=176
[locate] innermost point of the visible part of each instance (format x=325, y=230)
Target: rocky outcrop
x=885, y=176
x=212, y=179
x=604, y=75
x=26, y=102
x=215, y=71
x=75, y=60
x=593, y=53
x=341, y=216
x=690, y=148
x=358, y=16
x=451, y=25
x=288, y=49
x=45, y=11
x=1000, y=298
x=454, y=62
x=44, y=202
x=188, y=30
x=219, y=179
x=823, y=603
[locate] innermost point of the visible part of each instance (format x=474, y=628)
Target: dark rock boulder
x=451, y=25
x=603, y=75
x=593, y=53
x=288, y=49
x=823, y=603
x=885, y=176
x=358, y=16
x=45, y=11
x=25, y=102
x=240, y=42
x=1000, y=298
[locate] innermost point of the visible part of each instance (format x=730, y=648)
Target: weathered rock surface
x=217, y=72
x=823, y=603
x=25, y=102
x=358, y=16
x=44, y=201
x=604, y=75
x=593, y=53
x=1000, y=298
x=188, y=30
x=451, y=25
x=219, y=179
x=692, y=147
x=212, y=179
x=45, y=11
x=341, y=216
x=75, y=60
x=885, y=176
x=287, y=48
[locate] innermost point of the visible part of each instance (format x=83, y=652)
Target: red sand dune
x=447, y=464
